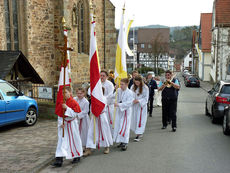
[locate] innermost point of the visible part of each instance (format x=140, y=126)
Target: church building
x=35, y=28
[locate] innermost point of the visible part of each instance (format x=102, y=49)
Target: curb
x=41, y=166
x=203, y=88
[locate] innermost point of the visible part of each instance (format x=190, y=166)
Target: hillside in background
x=180, y=38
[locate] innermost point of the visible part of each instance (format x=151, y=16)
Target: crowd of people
x=127, y=108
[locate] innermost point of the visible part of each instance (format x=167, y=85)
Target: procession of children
x=126, y=109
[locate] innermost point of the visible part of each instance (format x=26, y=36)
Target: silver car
x=217, y=99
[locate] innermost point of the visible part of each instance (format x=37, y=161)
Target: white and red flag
x=98, y=101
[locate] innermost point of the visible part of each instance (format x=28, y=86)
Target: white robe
x=109, y=88
x=139, y=117
x=84, y=119
x=103, y=136
x=157, y=96
x=123, y=115
x=70, y=146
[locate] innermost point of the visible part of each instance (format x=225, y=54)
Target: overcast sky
x=163, y=12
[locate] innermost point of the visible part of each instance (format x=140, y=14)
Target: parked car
x=185, y=72
x=217, y=99
x=192, y=81
x=15, y=107
x=226, y=121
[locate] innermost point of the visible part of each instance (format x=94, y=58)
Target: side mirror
x=20, y=93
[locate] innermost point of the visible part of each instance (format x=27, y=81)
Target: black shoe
x=174, y=129
x=150, y=115
x=164, y=127
x=137, y=139
x=124, y=147
x=76, y=160
x=120, y=145
x=58, y=162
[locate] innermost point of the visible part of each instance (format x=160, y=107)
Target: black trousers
x=150, y=105
x=169, y=108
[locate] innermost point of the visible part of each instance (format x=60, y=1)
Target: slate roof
x=9, y=58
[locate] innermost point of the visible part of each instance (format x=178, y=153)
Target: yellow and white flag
x=121, y=67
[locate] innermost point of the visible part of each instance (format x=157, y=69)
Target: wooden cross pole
x=64, y=50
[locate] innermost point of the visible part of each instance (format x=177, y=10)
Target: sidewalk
x=27, y=149
x=206, y=85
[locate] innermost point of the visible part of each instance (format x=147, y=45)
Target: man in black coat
x=134, y=74
x=151, y=83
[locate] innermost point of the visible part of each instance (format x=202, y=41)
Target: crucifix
x=64, y=50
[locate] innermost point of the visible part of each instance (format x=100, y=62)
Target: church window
x=83, y=27
x=11, y=24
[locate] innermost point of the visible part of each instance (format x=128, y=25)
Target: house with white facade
x=187, y=64
x=220, y=45
x=204, y=47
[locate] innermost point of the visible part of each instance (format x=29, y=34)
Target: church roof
x=9, y=58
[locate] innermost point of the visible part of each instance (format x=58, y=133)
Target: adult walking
x=169, y=100
x=151, y=83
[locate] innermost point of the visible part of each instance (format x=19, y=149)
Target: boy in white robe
x=123, y=114
x=139, y=118
x=100, y=131
x=83, y=116
x=109, y=88
x=70, y=145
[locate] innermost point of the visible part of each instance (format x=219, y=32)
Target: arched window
x=83, y=27
x=11, y=24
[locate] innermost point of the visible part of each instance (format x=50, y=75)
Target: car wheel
x=206, y=109
x=213, y=119
x=225, y=125
x=31, y=117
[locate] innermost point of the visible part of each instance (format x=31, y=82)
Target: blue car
x=15, y=107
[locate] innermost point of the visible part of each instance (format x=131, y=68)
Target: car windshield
x=225, y=89
x=7, y=89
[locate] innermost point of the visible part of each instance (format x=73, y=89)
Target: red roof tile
x=206, y=33
x=222, y=12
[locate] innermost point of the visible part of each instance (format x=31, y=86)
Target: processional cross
x=64, y=50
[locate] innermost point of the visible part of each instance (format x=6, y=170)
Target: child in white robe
x=70, y=145
x=141, y=96
x=99, y=134
x=83, y=116
x=109, y=88
x=123, y=114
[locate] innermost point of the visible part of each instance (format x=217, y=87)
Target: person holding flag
x=69, y=141
x=123, y=114
x=99, y=133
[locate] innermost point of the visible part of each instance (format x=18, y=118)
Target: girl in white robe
x=83, y=116
x=139, y=118
x=123, y=114
x=70, y=145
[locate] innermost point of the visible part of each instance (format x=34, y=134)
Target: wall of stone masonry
x=43, y=32
x=2, y=28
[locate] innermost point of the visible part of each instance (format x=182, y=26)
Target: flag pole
x=64, y=64
x=94, y=117
x=117, y=84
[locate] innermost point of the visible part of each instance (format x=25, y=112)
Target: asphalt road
x=197, y=147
